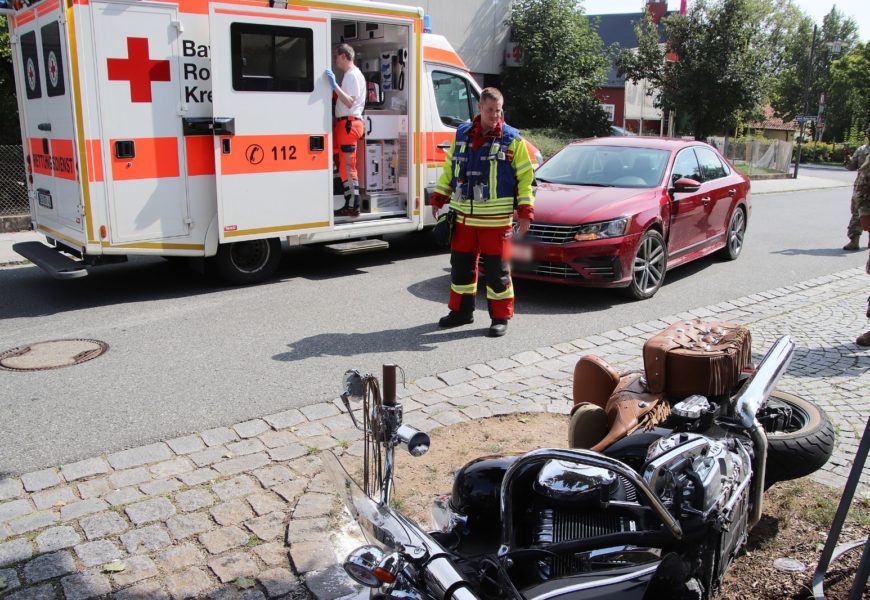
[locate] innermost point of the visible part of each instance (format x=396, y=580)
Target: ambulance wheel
x=242, y=263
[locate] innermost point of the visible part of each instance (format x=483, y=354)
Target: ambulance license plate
x=44, y=198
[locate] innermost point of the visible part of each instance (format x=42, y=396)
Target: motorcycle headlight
x=602, y=229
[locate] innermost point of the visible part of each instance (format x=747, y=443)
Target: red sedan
x=621, y=211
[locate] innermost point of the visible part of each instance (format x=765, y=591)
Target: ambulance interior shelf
x=381, y=55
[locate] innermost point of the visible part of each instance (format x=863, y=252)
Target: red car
x=621, y=211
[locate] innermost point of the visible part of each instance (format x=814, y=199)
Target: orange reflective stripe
x=200, y=7
x=224, y=11
x=63, y=159
x=155, y=157
x=447, y=57
x=272, y=154
x=431, y=139
x=200, y=154
x=58, y=162
x=25, y=17
x=47, y=8
x=95, y=160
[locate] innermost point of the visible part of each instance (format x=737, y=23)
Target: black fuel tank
x=476, y=488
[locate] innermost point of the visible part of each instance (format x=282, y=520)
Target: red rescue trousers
x=494, y=245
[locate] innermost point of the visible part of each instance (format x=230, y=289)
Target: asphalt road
x=186, y=356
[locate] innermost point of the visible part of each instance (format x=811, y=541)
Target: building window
x=610, y=109
x=267, y=58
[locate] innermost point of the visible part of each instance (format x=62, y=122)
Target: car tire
x=245, y=263
x=649, y=266
x=734, y=234
x=803, y=446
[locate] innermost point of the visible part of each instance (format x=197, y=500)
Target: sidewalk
x=245, y=511
x=802, y=183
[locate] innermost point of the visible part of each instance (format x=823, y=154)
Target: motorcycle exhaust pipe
x=747, y=403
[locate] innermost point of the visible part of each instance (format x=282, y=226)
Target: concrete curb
x=248, y=505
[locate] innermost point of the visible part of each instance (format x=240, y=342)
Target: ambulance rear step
x=59, y=266
x=357, y=246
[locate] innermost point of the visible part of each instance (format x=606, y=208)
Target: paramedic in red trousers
x=487, y=175
x=348, y=129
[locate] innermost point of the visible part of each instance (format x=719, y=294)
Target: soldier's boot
x=854, y=244
x=863, y=339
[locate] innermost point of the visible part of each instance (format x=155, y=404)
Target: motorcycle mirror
x=353, y=386
x=413, y=440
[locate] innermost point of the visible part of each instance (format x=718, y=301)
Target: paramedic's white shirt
x=354, y=85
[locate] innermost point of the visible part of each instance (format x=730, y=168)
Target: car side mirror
x=684, y=184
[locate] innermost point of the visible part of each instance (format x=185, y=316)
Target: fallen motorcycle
x=660, y=511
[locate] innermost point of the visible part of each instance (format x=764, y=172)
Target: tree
x=837, y=33
x=849, y=97
x=718, y=71
x=564, y=62
x=10, y=131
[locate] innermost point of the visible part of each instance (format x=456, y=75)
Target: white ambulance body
x=204, y=129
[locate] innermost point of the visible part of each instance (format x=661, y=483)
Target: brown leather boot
x=854, y=244
x=864, y=340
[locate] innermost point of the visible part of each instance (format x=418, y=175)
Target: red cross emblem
x=138, y=69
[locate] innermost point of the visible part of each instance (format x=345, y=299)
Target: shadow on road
x=422, y=338
x=813, y=252
x=29, y=292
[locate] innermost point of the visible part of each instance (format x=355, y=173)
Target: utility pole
x=807, y=84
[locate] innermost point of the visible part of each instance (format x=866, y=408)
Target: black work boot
x=498, y=328
x=455, y=319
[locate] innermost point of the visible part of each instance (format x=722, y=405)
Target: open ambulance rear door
x=272, y=120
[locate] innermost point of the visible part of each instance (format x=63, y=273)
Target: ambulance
x=202, y=129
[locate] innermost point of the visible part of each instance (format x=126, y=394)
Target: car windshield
x=605, y=166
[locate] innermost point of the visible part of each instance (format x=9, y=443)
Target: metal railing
x=754, y=156
x=13, y=187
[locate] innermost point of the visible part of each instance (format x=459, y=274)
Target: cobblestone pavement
x=245, y=511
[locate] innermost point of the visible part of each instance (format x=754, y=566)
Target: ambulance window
x=268, y=58
x=30, y=63
x=52, y=59
x=455, y=98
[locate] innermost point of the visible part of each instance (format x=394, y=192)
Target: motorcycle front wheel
x=800, y=437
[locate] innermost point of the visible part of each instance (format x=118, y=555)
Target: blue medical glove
x=330, y=76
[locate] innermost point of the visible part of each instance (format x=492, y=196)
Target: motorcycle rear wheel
x=799, y=446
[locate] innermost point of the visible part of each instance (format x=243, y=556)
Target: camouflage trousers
x=860, y=207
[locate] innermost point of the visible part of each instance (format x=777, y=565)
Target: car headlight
x=603, y=229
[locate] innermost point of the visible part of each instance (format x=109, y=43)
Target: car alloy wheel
x=650, y=263
x=736, y=231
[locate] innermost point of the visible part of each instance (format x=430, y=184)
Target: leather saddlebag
x=696, y=357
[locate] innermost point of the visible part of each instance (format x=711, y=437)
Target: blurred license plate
x=44, y=198
x=521, y=253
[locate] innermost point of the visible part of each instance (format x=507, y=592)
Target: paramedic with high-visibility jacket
x=487, y=176
x=348, y=128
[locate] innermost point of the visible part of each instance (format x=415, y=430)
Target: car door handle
x=732, y=192
x=706, y=199
x=444, y=145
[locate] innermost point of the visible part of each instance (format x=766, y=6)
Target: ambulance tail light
x=104, y=233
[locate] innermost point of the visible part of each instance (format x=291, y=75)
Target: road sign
x=806, y=118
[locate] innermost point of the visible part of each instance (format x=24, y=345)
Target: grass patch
x=826, y=508
x=547, y=140
x=747, y=169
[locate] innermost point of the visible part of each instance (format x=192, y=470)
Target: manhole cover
x=51, y=355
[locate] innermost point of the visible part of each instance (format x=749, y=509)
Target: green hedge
x=820, y=152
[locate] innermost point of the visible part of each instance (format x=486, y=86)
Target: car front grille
x=544, y=233
x=602, y=268
x=548, y=269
